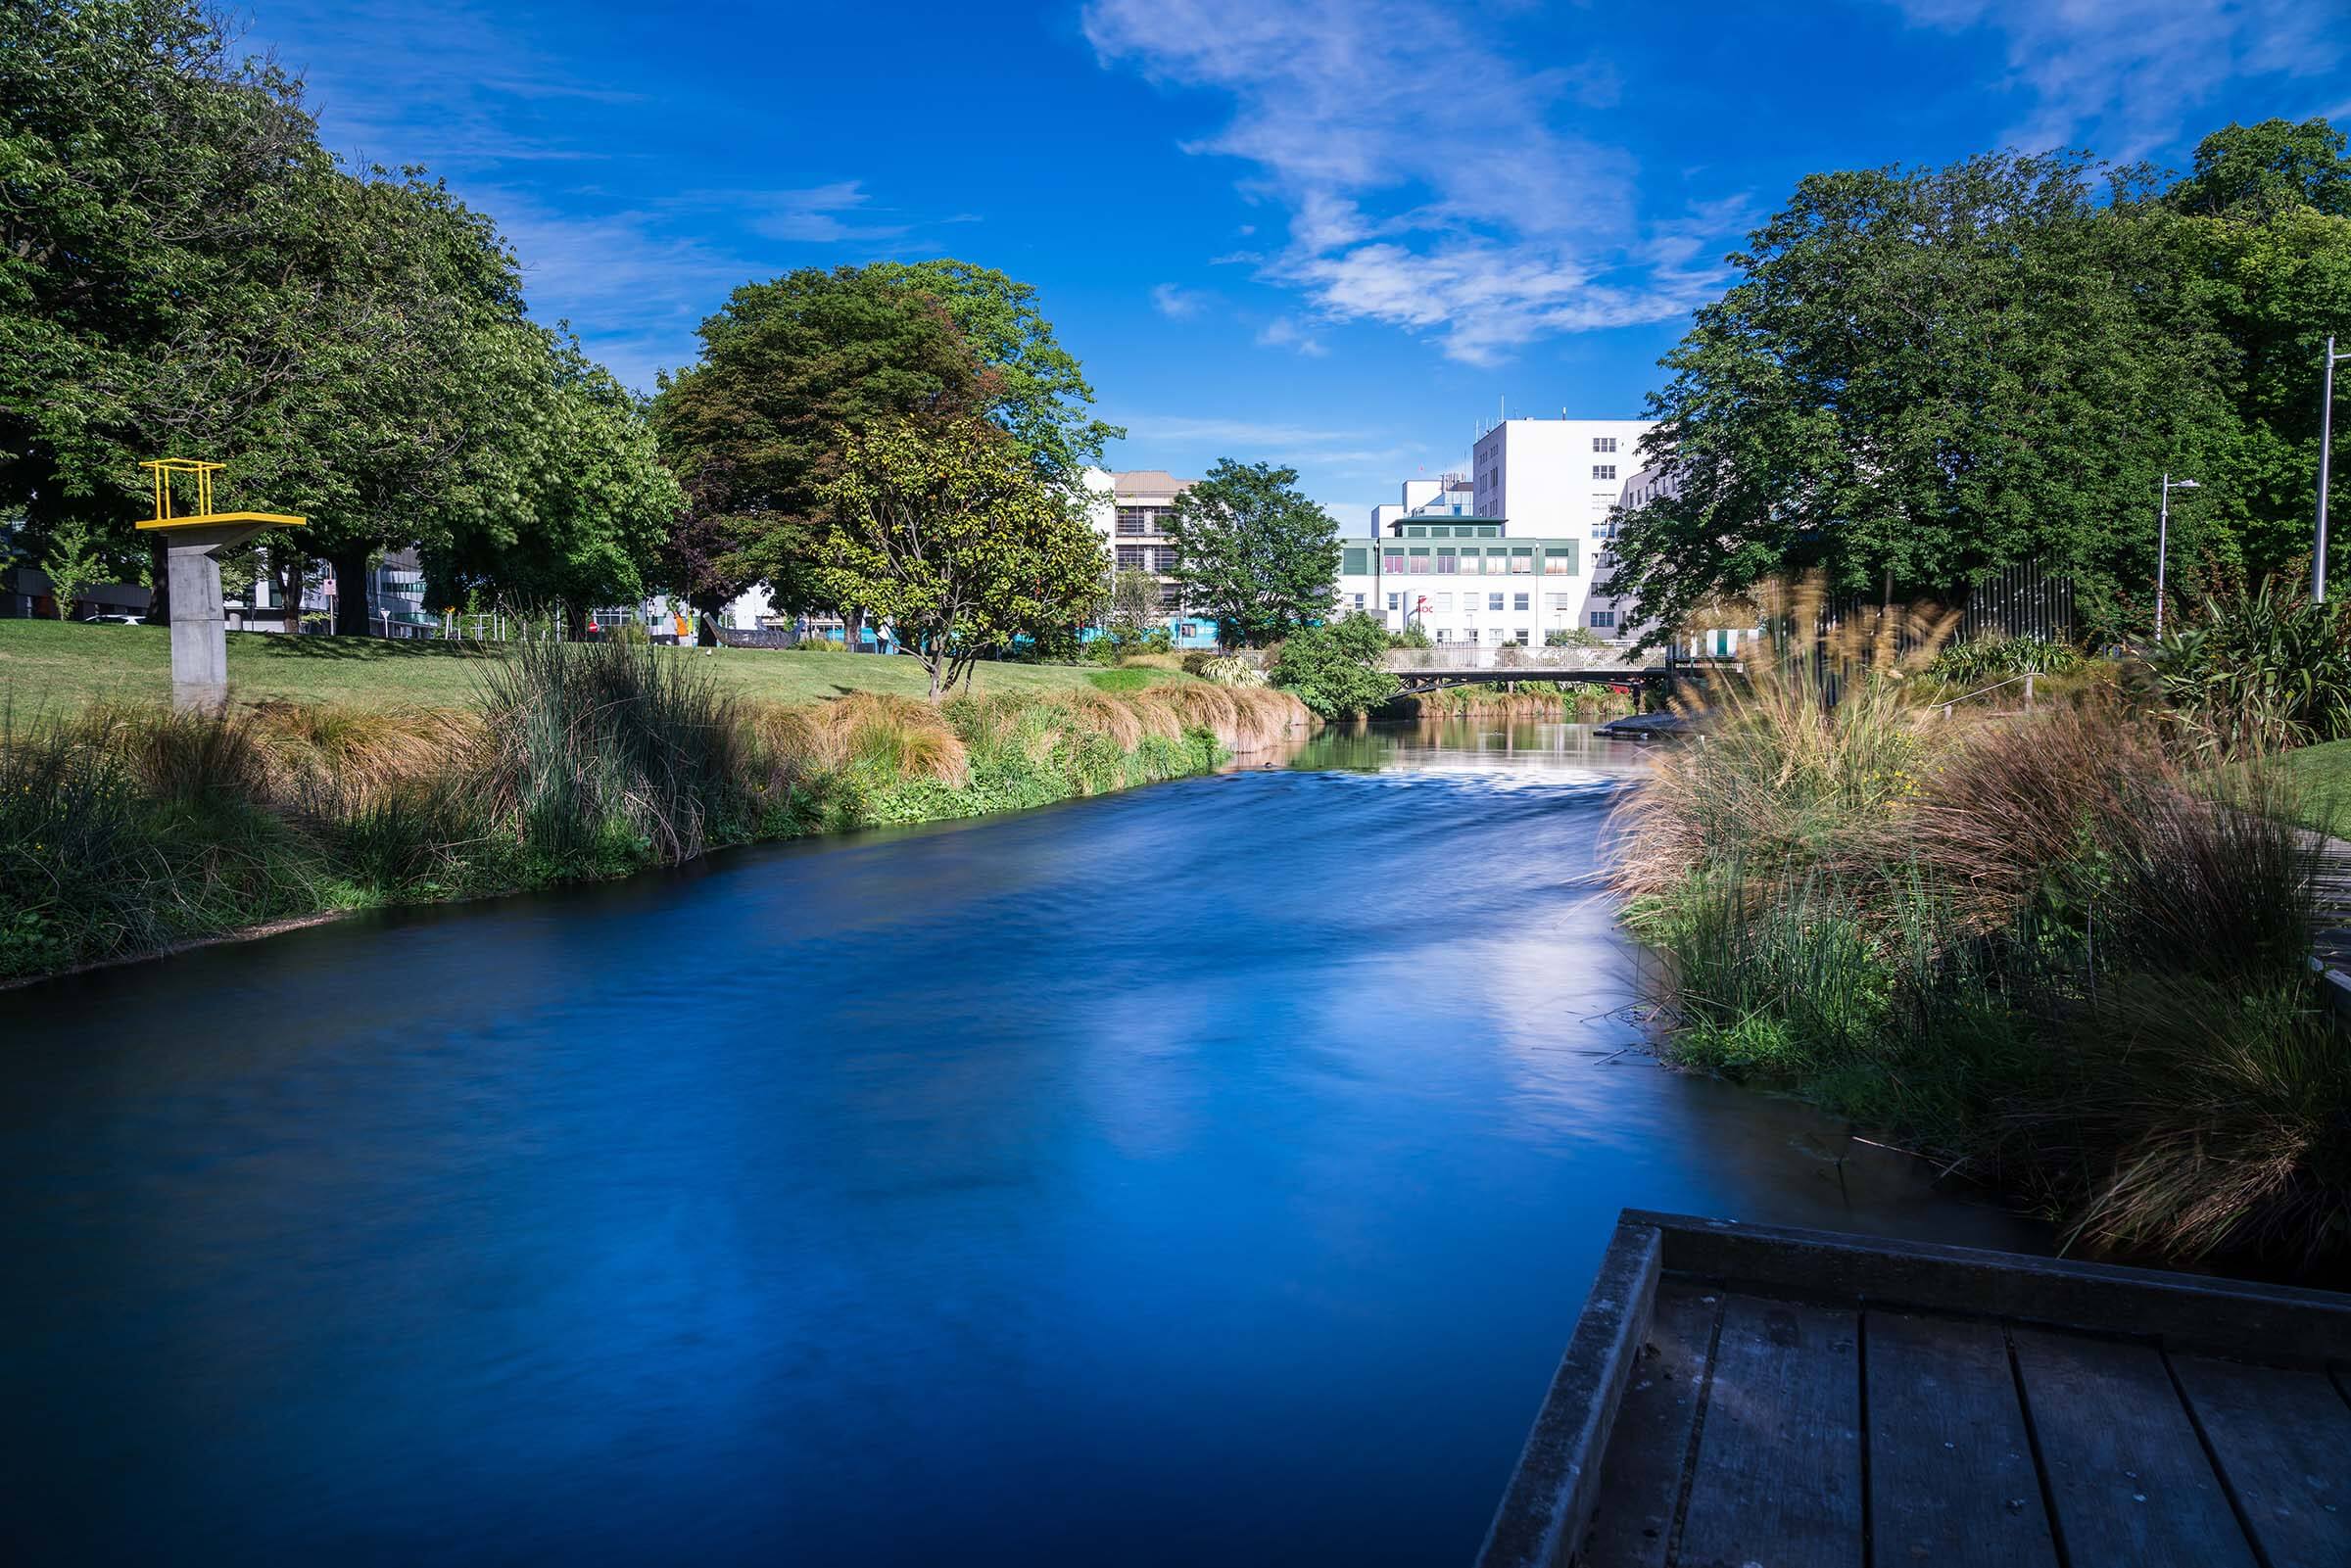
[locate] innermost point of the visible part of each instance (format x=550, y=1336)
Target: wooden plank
x=1550, y=1492
x=1641, y=1479
x=1952, y=1478
x=1779, y=1454
x=2126, y=1474
x=2232, y=1317
x=2282, y=1441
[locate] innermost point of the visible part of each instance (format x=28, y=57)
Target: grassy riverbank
x=1558, y=701
x=54, y=665
x=126, y=829
x=2046, y=947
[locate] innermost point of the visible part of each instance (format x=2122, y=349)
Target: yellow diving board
x=208, y=520
x=163, y=469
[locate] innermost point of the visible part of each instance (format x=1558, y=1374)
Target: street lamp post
x=2317, y=561
x=2163, y=542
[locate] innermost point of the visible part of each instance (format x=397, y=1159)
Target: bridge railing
x=1509, y=657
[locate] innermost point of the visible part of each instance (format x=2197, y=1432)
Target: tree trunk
x=285, y=580
x=933, y=661
x=159, y=600
x=575, y=623
x=351, y=593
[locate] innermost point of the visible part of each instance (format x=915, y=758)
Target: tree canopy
x=756, y=429
x=945, y=529
x=185, y=271
x=1253, y=552
x=1932, y=375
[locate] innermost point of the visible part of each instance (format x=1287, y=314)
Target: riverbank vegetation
x=1561, y=701
x=2052, y=946
x=126, y=828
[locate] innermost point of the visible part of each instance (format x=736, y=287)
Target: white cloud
x=814, y=216
x=2131, y=72
x=1178, y=303
x=1469, y=215
x=1286, y=333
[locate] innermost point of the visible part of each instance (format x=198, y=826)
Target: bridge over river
x=1471, y=664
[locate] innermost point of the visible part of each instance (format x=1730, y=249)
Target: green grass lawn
x=52, y=665
x=2320, y=778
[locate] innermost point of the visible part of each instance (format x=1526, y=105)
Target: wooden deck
x=1742, y=1395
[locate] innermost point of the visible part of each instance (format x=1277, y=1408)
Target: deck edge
x=1552, y=1488
x=2276, y=1323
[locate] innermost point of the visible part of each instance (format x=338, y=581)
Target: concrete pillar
x=192, y=547
x=199, y=633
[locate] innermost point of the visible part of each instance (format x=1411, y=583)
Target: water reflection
x=1206, y=1174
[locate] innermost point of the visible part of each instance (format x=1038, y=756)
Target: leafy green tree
x=1134, y=604
x=1253, y=552
x=1039, y=393
x=2264, y=235
x=753, y=430
x=72, y=564
x=148, y=174
x=1928, y=376
x=944, y=529
x=1337, y=669
x=592, y=509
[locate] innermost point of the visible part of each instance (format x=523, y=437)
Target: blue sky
x=1335, y=235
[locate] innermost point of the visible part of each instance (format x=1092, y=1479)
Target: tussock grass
x=127, y=827
x=2050, y=945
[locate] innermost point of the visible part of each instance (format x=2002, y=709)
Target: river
x=1204, y=1174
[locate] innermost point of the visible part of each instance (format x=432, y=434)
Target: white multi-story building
x=1536, y=511
x=1559, y=477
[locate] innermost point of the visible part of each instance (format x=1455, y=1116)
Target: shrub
x=1998, y=656
x=600, y=751
x=2256, y=671
x=1228, y=671
x=1335, y=669
x=1573, y=637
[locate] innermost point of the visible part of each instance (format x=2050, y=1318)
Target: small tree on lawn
x=72, y=564
x=1254, y=552
x=1134, y=604
x=945, y=531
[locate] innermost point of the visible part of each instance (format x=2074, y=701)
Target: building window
x=1170, y=596
x=1603, y=443
x=1470, y=636
x=1421, y=562
x=1358, y=601
x=1522, y=561
x=1395, y=601
x=1493, y=602
x=1560, y=601
x=1393, y=560
x=1559, y=561
x=1132, y=558
x=1445, y=601
x=1444, y=633
x=1604, y=470
x=1357, y=561
x=1517, y=601
x=1188, y=629
x=1134, y=521
x=1603, y=620
x=1416, y=531
x=1522, y=640
x=1448, y=563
